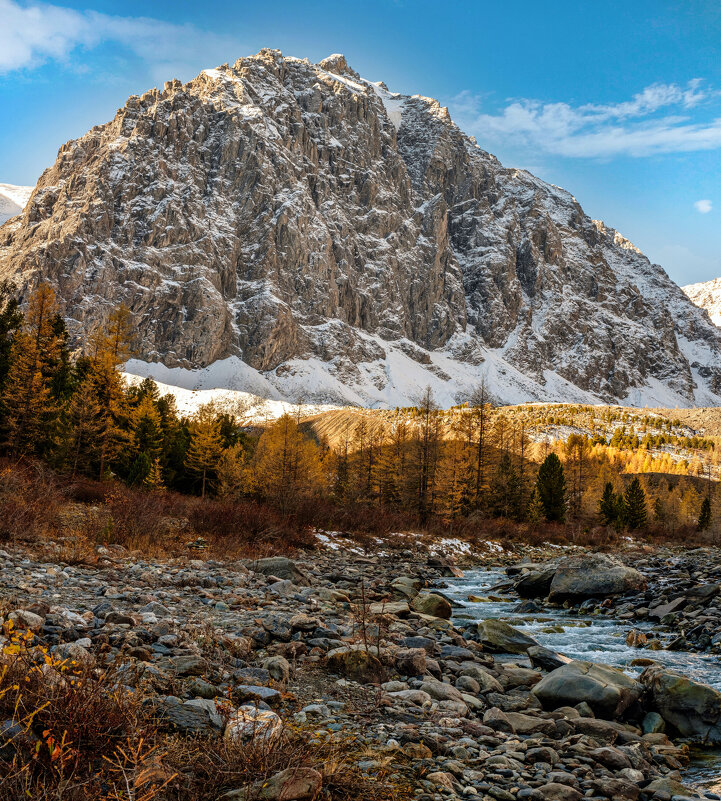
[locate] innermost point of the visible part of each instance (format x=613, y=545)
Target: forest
x=457, y=470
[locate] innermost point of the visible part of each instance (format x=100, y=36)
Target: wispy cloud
x=33, y=34
x=703, y=206
x=654, y=121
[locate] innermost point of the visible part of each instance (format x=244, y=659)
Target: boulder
x=501, y=638
x=535, y=583
x=597, y=576
x=355, y=664
x=281, y=567
x=608, y=691
x=692, y=708
x=428, y=603
x=250, y=722
x=546, y=659
x=291, y=784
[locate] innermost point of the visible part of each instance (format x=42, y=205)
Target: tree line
x=74, y=411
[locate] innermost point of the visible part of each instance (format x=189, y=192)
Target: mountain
x=13, y=200
x=707, y=295
x=296, y=231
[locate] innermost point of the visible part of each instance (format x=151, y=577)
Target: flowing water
x=594, y=639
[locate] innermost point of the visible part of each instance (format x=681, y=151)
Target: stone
x=188, y=719
x=249, y=722
x=535, y=583
x=188, y=665
x=278, y=668
x=653, y=723
x=22, y=619
x=281, y=567
x=553, y=791
x=692, y=708
x=355, y=664
x=291, y=784
x=608, y=691
x=594, y=576
x=428, y=603
x=502, y=638
x=411, y=661
x=546, y=659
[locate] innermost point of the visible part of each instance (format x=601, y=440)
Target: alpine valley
x=293, y=230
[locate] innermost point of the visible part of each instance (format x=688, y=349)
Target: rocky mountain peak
x=298, y=228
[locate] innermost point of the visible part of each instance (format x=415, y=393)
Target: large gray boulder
x=608, y=691
x=536, y=582
x=692, y=708
x=281, y=567
x=501, y=638
x=593, y=576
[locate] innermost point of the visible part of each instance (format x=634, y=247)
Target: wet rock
x=608, y=691
x=429, y=603
x=595, y=576
x=502, y=638
x=692, y=708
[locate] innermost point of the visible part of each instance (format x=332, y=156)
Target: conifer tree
x=230, y=473
x=11, y=319
x=154, y=479
x=505, y=496
x=85, y=430
x=608, y=505
x=205, y=446
x=635, y=510
x=551, y=486
x=29, y=409
x=704, y=518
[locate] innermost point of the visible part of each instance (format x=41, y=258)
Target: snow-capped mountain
x=707, y=295
x=296, y=231
x=13, y=200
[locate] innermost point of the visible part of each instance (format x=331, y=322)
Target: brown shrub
x=30, y=498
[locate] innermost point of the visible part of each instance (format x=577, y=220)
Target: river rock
x=428, y=603
x=535, y=583
x=608, y=691
x=281, y=567
x=692, y=708
x=597, y=576
x=502, y=638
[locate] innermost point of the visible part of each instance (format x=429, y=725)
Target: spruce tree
x=11, y=319
x=608, y=505
x=505, y=489
x=704, y=518
x=551, y=486
x=636, y=514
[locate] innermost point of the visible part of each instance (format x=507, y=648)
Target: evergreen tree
x=154, y=479
x=11, y=319
x=608, y=507
x=551, y=486
x=634, y=499
x=140, y=469
x=205, y=446
x=704, y=518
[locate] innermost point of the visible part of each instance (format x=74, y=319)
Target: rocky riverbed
x=368, y=647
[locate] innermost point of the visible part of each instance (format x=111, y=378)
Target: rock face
x=328, y=236
x=692, y=708
x=707, y=295
x=608, y=691
x=594, y=576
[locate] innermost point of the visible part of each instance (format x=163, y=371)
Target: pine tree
x=551, y=486
x=85, y=430
x=634, y=499
x=608, y=505
x=154, y=479
x=704, y=518
x=205, y=446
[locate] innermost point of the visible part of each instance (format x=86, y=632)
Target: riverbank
x=346, y=667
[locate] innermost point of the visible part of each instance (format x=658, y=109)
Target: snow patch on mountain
x=707, y=295
x=13, y=200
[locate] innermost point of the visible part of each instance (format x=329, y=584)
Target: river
x=595, y=639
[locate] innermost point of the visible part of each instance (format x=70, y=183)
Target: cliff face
x=349, y=243
x=707, y=295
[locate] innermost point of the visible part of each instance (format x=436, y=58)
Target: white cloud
x=31, y=35
x=654, y=121
x=703, y=206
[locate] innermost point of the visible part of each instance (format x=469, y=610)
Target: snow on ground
x=13, y=200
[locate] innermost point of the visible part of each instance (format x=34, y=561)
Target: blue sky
x=618, y=102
